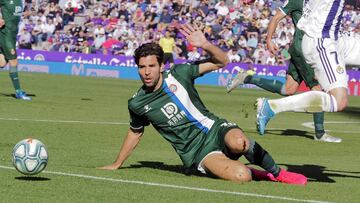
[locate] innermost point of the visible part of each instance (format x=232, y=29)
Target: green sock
x=319, y=124
x=257, y=155
x=274, y=86
x=14, y=77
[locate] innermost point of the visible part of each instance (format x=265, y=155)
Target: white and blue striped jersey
x=322, y=18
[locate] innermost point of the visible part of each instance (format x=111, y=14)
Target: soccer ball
x=30, y=156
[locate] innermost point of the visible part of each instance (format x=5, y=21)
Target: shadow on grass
x=13, y=95
x=316, y=173
x=291, y=132
x=32, y=178
x=164, y=167
x=352, y=111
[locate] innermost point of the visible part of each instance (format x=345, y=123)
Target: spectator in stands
x=69, y=14
x=164, y=20
x=116, y=18
x=100, y=38
x=221, y=8
x=24, y=39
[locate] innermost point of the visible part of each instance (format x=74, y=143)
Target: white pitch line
x=65, y=121
x=176, y=186
x=311, y=125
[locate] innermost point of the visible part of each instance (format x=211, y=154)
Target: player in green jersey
x=297, y=72
x=11, y=12
x=170, y=102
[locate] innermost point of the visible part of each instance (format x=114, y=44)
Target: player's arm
x=131, y=140
x=271, y=30
x=218, y=58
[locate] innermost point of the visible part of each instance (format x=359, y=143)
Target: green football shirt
x=176, y=112
x=293, y=8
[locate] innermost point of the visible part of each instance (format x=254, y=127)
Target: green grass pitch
x=83, y=121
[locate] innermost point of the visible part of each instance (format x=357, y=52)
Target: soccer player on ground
x=327, y=50
x=170, y=102
x=297, y=72
x=11, y=12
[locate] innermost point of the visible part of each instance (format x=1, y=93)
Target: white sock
x=312, y=101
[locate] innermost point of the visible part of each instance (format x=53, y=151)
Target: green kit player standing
x=11, y=11
x=204, y=142
x=297, y=72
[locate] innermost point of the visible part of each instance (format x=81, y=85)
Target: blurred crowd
x=118, y=27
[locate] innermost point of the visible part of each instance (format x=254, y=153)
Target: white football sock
x=312, y=101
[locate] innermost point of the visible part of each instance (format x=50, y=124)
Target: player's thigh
x=350, y=49
x=236, y=141
x=222, y=167
x=293, y=79
x=291, y=85
x=305, y=72
x=8, y=44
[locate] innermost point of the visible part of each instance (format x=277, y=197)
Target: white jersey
x=322, y=18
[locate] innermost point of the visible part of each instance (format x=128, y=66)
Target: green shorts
x=8, y=43
x=299, y=70
x=216, y=143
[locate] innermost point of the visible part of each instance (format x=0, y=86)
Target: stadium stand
x=119, y=26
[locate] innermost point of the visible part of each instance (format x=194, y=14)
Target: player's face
x=150, y=72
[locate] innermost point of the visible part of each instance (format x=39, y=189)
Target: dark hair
x=149, y=49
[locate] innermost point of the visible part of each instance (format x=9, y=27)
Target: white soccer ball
x=30, y=156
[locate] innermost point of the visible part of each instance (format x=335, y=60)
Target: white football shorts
x=328, y=58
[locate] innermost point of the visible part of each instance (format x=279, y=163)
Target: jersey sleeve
x=188, y=71
x=288, y=6
x=136, y=121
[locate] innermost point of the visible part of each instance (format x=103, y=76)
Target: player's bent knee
x=241, y=175
x=291, y=91
x=236, y=141
x=342, y=104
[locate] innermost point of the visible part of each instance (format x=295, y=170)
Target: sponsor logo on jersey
x=171, y=111
x=340, y=69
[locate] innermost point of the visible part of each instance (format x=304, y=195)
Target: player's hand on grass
x=2, y=22
x=113, y=166
x=193, y=35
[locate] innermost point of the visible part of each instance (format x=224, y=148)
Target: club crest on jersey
x=340, y=69
x=12, y=51
x=171, y=111
x=147, y=108
x=173, y=88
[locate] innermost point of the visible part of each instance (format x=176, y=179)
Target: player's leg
x=237, y=143
x=10, y=55
x=221, y=166
x=291, y=85
x=330, y=71
x=320, y=134
x=306, y=73
x=243, y=77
